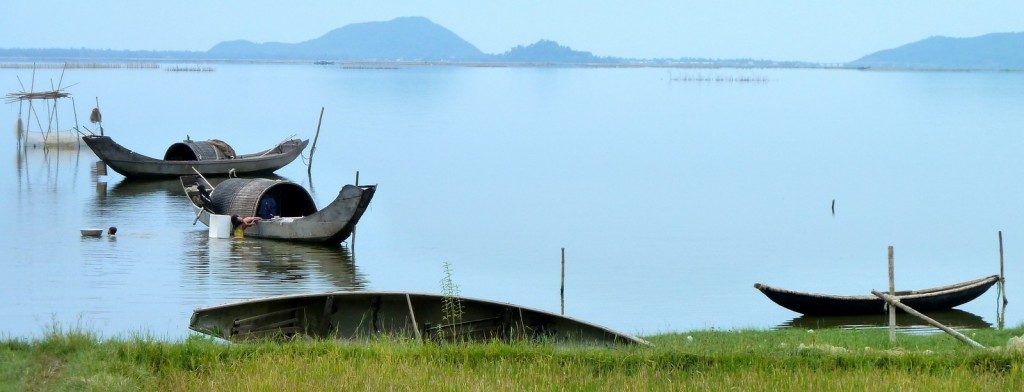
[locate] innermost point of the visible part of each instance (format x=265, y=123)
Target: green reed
x=699, y=360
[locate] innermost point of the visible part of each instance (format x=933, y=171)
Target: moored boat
x=210, y=157
x=364, y=315
x=288, y=210
x=936, y=298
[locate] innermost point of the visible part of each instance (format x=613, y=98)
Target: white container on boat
x=220, y=226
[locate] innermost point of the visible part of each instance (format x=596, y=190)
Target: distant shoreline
x=152, y=63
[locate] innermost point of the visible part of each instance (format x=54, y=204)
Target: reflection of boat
x=299, y=261
x=359, y=315
x=937, y=298
x=951, y=318
x=210, y=157
x=288, y=211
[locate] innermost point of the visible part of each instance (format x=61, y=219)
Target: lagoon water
x=672, y=198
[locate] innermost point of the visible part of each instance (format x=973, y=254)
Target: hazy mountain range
x=417, y=39
x=990, y=51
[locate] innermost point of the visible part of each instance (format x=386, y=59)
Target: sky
x=819, y=31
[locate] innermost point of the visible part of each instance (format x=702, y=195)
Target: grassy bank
x=746, y=360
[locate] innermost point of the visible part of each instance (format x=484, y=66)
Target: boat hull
x=134, y=165
x=365, y=315
x=938, y=298
x=330, y=225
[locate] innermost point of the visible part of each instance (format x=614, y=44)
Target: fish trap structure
x=49, y=134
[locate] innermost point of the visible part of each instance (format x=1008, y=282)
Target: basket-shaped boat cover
x=261, y=197
x=206, y=150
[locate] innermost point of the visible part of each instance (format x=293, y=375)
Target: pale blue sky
x=826, y=31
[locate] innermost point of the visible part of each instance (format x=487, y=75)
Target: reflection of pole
x=892, y=293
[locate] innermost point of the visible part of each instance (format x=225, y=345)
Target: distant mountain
x=990, y=51
x=400, y=39
x=409, y=38
x=550, y=52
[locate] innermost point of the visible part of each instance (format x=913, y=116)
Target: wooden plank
x=265, y=315
x=893, y=301
x=412, y=315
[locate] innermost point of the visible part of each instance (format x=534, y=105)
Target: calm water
x=671, y=198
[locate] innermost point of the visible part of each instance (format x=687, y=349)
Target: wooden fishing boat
x=937, y=298
x=210, y=157
x=364, y=315
x=288, y=211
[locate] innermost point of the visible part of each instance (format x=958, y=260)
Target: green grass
x=711, y=360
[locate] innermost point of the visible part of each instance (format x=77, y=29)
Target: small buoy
x=111, y=231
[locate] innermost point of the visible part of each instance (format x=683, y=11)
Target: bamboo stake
x=412, y=315
x=353, y=226
x=892, y=292
x=893, y=301
x=309, y=167
x=1002, y=277
x=562, y=290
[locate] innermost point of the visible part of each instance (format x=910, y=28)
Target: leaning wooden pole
x=893, y=301
x=1002, y=276
x=892, y=292
x=309, y=167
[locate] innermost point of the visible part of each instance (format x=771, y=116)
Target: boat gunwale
x=911, y=294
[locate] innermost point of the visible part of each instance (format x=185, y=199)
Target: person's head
x=112, y=230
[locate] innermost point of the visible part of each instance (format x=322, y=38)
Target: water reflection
x=44, y=167
x=264, y=264
x=954, y=318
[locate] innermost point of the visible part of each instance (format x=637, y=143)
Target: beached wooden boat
x=364, y=315
x=937, y=298
x=210, y=157
x=288, y=211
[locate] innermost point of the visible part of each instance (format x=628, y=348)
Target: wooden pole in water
x=561, y=292
x=309, y=167
x=895, y=302
x=353, y=227
x=892, y=293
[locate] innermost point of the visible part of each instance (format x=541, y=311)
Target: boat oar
x=198, y=215
x=203, y=207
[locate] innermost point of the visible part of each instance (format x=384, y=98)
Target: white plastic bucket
x=220, y=226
